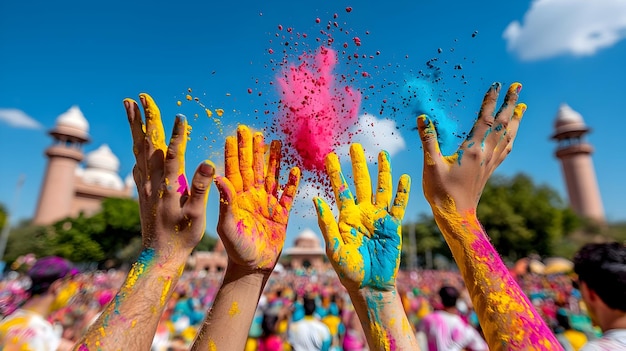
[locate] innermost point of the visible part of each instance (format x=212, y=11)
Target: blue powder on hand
x=420, y=96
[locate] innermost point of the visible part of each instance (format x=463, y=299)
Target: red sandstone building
x=69, y=189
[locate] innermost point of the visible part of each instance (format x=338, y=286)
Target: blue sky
x=94, y=54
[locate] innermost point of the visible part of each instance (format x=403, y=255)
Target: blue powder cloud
x=421, y=97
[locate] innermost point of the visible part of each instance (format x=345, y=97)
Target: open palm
x=364, y=245
x=253, y=218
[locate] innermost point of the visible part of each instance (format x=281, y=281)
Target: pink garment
x=352, y=341
x=448, y=332
x=271, y=343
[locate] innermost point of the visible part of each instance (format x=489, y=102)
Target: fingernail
x=424, y=119
x=496, y=86
x=126, y=104
x=520, y=109
x=517, y=87
x=180, y=117
x=207, y=168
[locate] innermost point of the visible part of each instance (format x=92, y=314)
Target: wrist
x=374, y=297
x=235, y=272
x=167, y=261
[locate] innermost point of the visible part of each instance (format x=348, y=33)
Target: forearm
x=508, y=319
x=384, y=321
x=129, y=322
x=228, y=322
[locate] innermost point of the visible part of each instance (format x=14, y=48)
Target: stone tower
x=575, y=156
x=57, y=190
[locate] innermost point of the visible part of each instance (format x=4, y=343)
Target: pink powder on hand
x=314, y=112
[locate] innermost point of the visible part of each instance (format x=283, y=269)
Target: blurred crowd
x=286, y=302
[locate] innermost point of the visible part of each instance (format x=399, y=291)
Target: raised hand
x=453, y=185
x=172, y=223
x=364, y=247
x=252, y=226
x=460, y=178
x=173, y=216
x=253, y=218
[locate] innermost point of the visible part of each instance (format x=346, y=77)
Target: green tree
x=116, y=226
x=519, y=216
x=522, y=217
x=26, y=238
x=207, y=243
x=3, y=216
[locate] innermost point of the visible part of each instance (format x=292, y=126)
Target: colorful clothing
x=309, y=334
x=29, y=331
x=448, y=332
x=612, y=340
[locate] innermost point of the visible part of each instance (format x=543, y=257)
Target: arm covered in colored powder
x=252, y=225
x=364, y=247
x=173, y=219
x=453, y=185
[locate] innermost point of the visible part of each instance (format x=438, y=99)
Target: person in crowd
x=27, y=328
x=570, y=339
x=446, y=331
x=601, y=270
x=309, y=333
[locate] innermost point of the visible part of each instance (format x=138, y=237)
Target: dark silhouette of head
x=448, y=295
x=46, y=271
x=309, y=305
x=602, y=267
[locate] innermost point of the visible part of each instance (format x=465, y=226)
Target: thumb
x=328, y=226
x=200, y=186
x=428, y=135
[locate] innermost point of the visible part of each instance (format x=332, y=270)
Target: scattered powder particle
x=179, y=103
x=357, y=41
x=219, y=111
x=249, y=91
x=188, y=97
x=209, y=113
x=348, y=9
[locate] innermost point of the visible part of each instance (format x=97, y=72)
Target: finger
x=383, y=190
x=286, y=200
x=504, y=115
x=175, y=158
x=486, y=114
x=195, y=207
x=231, y=163
x=258, y=160
x=362, y=181
x=428, y=136
x=511, y=132
x=402, y=197
x=244, y=140
x=328, y=226
x=273, y=168
x=154, y=126
x=343, y=195
x=155, y=136
x=137, y=130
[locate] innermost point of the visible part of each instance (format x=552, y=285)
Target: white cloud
x=561, y=27
x=18, y=119
x=374, y=135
